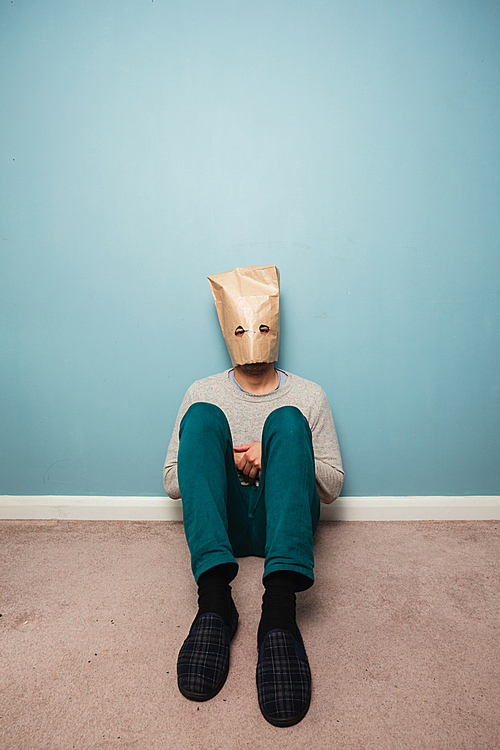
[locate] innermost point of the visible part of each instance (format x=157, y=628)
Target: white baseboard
x=87, y=508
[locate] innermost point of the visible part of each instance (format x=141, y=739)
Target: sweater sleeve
x=170, y=481
x=328, y=461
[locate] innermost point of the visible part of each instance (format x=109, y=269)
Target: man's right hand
x=248, y=459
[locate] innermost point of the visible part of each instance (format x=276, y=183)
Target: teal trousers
x=224, y=519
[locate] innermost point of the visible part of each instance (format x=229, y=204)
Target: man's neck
x=257, y=383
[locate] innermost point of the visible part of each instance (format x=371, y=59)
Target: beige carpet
x=401, y=629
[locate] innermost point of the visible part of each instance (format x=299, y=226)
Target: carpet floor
x=401, y=629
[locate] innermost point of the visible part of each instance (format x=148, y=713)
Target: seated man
x=253, y=452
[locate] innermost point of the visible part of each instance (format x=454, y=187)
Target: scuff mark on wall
x=65, y=471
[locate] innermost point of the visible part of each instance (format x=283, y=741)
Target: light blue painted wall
x=146, y=144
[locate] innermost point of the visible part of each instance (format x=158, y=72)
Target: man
x=254, y=450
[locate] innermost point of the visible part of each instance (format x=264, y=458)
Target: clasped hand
x=247, y=459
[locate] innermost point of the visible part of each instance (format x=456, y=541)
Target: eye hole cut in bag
x=240, y=331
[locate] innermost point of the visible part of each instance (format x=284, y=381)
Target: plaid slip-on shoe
x=203, y=661
x=283, y=679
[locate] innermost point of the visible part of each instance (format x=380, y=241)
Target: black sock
x=278, y=604
x=214, y=593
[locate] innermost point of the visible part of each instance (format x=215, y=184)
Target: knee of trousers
x=288, y=421
x=206, y=420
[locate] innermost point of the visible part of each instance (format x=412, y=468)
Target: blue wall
x=145, y=144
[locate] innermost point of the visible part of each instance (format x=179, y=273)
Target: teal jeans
x=224, y=519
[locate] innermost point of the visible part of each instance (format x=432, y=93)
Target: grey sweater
x=246, y=414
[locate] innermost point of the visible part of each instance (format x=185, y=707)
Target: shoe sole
x=205, y=696
x=287, y=722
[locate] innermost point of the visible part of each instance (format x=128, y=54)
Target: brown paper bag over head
x=248, y=307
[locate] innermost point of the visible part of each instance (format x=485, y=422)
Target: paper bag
x=247, y=303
